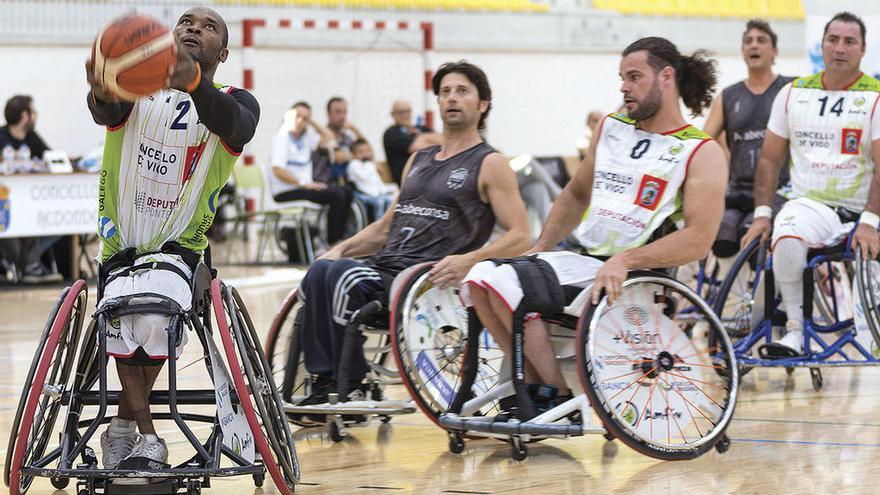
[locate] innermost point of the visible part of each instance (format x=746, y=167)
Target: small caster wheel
x=82, y=491
x=609, y=436
x=60, y=483
x=789, y=370
x=337, y=433
x=193, y=488
x=259, y=478
x=723, y=445
x=375, y=391
x=386, y=419
x=520, y=451
x=816, y=375
x=456, y=442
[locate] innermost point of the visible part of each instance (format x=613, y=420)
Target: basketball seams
x=132, y=56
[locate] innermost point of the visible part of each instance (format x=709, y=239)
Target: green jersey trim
x=817, y=81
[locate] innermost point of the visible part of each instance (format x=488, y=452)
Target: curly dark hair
x=695, y=75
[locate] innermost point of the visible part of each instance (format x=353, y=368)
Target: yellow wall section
x=454, y=5
x=746, y=9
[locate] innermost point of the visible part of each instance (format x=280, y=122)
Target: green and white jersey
x=830, y=135
x=160, y=177
x=636, y=185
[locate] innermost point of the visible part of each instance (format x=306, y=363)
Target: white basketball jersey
x=161, y=173
x=830, y=136
x=636, y=185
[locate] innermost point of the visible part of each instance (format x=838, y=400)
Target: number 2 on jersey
x=183, y=107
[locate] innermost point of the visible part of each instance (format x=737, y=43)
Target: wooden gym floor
x=786, y=437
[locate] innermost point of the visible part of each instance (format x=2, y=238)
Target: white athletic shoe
x=791, y=345
x=115, y=447
x=145, y=455
x=794, y=340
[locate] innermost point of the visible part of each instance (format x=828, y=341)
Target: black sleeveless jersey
x=439, y=211
x=745, y=122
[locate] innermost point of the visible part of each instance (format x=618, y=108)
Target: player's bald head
x=215, y=16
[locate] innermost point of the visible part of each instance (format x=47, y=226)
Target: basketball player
x=740, y=113
x=641, y=168
x=166, y=157
x=830, y=125
x=451, y=198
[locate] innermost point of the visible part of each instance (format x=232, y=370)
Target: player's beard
x=649, y=105
x=206, y=60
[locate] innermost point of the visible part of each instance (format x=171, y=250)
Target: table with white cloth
x=42, y=205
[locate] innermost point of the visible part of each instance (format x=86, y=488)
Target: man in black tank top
x=741, y=113
x=450, y=199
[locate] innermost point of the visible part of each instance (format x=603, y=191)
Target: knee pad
x=789, y=259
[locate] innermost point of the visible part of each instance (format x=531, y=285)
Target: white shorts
x=814, y=223
x=147, y=331
x=570, y=268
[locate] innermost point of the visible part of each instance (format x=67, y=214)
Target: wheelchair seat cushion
x=126, y=334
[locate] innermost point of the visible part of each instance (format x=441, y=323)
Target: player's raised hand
x=185, y=73
x=99, y=91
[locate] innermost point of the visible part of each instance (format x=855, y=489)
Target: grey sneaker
x=144, y=456
x=115, y=448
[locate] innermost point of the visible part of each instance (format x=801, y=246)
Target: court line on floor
x=805, y=442
x=805, y=421
x=807, y=397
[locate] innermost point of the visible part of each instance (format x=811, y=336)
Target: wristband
x=869, y=218
x=196, y=80
x=763, y=211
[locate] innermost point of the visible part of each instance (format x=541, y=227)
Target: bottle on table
x=7, y=165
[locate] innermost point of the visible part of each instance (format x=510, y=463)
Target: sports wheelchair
x=662, y=390
x=247, y=433
x=368, y=326
x=841, y=319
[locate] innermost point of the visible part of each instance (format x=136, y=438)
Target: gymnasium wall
x=547, y=70
x=540, y=99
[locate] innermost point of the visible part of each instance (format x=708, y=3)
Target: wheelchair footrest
x=513, y=427
x=366, y=407
x=164, y=487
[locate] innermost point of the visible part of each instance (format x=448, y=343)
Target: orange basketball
x=133, y=55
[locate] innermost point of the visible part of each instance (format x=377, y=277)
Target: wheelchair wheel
x=272, y=435
x=283, y=351
x=868, y=282
x=664, y=393
x=735, y=300
x=48, y=377
x=429, y=332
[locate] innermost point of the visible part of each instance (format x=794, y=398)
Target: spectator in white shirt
x=293, y=147
x=370, y=190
